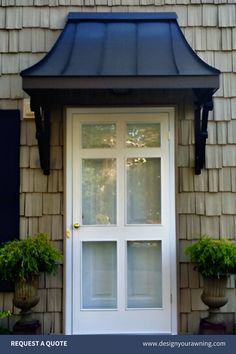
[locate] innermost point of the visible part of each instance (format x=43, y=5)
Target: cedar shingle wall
x=41, y=210
x=205, y=203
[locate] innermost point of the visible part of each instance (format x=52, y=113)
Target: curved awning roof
x=120, y=51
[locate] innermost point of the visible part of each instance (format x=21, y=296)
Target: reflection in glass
x=141, y=135
x=98, y=135
x=144, y=274
x=99, y=275
x=143, y=190
x=98, y=191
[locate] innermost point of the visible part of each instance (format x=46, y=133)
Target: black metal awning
x=120, y=51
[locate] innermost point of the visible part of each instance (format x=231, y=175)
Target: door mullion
x=120, y=174
x=120, y=215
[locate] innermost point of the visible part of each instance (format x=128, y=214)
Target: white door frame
x=68, y=210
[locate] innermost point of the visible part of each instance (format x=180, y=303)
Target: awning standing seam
x=121, y=50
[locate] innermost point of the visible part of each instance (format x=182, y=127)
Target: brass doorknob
x=76, y=225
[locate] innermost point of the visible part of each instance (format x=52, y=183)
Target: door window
x=99, y=191
x=143, y=190
x=98, y=136
x=140, y=135
x=99, y=275
x=144, y=274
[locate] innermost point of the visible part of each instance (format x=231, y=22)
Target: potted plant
x=4, y=315
x=21, y=261
x=215, y=260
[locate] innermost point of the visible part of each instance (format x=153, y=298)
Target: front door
x=121, y=220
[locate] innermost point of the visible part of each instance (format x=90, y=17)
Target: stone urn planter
x=214, y=296
x=21, y=261
x=215, y=260
x=26, y=297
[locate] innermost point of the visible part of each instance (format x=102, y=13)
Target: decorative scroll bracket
x=202, y=108
x=43, y=132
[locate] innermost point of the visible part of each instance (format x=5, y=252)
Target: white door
x=122, y=220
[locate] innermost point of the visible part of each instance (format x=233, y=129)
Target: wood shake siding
x=41, y=210
x=206, y=204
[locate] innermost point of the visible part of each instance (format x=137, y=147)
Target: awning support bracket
x=43, y=132
x=201, y=113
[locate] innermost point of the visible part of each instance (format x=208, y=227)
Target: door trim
x=68, y=212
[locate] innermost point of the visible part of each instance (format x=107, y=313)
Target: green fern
x=21, y=259
x=213, y=257
x=5, y=313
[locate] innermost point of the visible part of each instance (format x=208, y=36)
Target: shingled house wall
x=205, y=203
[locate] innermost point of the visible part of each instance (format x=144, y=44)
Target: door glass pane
x=99, y=191
x=144, y=274
x=139, y=135
x=99, y=275
x=98, y=135
x=143, y=190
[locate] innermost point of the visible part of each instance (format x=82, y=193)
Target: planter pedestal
x=26, y=297
x=211, y=328
x=214, y=297
x=33, y=327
